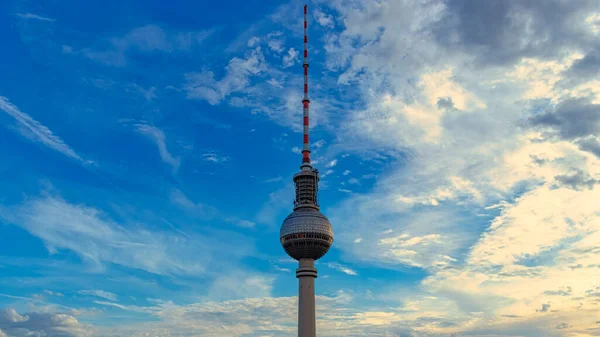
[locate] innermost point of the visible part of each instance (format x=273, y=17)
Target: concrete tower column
x=306, y=274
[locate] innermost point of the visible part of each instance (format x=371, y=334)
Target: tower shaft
x=306, y=274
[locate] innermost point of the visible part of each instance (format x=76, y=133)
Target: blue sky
x=148, y=149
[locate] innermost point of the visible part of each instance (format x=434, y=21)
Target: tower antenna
x=305, y=101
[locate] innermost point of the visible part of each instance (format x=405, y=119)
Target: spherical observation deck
x=306, y=234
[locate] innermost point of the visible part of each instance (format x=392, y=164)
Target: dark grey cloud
x=590, y=144
x=561, y=292
x=562, y=326
x=445, y=103
x=594, y=292
x=14, y=324
x=587, y=67
x=573, y=118
x=503, y=31
x=578, y=180
x=545, y=308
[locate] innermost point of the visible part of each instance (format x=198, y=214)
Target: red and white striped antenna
x=305, y=101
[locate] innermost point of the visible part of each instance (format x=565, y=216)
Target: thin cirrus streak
x=36, y=131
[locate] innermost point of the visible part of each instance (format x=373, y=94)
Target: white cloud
x=28, y=16
x=318, y=144
x=343, y=269
x=253, y=41
x=148, y=38
x=37, y=132
x=236, y=79
x=291, y=58
x=98, y=240
x=158, y=136
x=214, y=158
x=258, y=317
x=99, y=293
x=323, y=19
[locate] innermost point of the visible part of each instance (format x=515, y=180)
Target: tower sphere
x=306, y=234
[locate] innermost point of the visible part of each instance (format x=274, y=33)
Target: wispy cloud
x=274, y=180
x=98, y=240
x=343, y=269
x=148, y=38
x=215, y=158
x=99, y=293
x=37, y=132
x=159, y=138
x=28, y=16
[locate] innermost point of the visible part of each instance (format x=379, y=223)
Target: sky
x=148, y=147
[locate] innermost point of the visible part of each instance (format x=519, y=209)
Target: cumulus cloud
x=323, y=18
x=570, y=119
x=236, y=79
x=509, y=30
x=14, y=324
x=457, y=134
x=291, y=58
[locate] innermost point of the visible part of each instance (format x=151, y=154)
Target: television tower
x=306, y=234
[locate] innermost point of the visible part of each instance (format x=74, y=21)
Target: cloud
x=451, y=122
x=14, y=324
x=332, y=163
x=504, y=32
x=577, y=180
x=353, y=181
x=28, y=16
x=323, y=19
x=342, y=269
x=291, y=58
x=37, y=132
x=564, y=291
x=53, y=293
x=99, y=240
x=148, y=38
x=158, y=136
x=99, y=293
x=570, y=119
x=259, y=316
x=214, y=158
x=237, y=76
x=585, y=68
